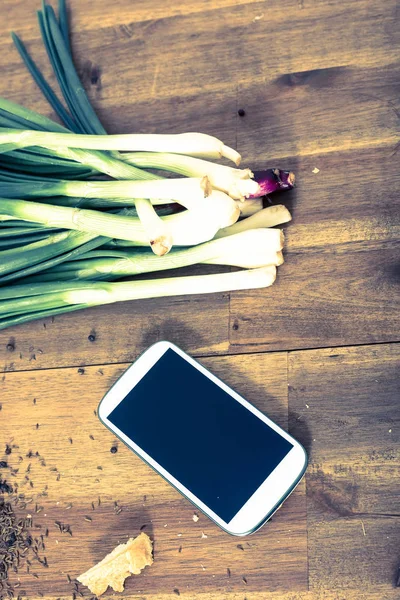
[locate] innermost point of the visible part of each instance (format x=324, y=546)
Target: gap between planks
x=234, y=350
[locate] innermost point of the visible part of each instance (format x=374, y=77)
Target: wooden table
x=317, y=81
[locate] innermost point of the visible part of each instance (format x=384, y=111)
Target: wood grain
x=70, y=439
x=344, y=405
x=339, y=284
x=197, y=323
x=318, y=81
x=306, y=107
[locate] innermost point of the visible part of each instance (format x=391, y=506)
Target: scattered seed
x=100, y=468
x=88, y=519
x=98, y=501
x=228, y=571
x=143, y=527
x=240, y=547
x=8, y=449
x=177, y=592
x=180, y=549
x=113, y=449
x=70, y=440
x=195, y=517
x=69, y=578
x=35, y=575
x=68, y=506
x=244, y=580
x=91, y=437
x=91, y=337
x=34, y=401
x=3, y=464
x=241, y=112
x=92, y=505
x=37, y=425
x=58, y=477
x=81, y=371
x=203, y=535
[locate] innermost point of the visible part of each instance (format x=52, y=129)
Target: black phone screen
x=208, y=441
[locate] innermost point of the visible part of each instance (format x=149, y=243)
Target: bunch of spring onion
x=80, y=209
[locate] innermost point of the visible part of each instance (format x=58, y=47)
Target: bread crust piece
x=125, y=560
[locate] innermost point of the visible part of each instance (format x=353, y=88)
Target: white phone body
x=267, y=498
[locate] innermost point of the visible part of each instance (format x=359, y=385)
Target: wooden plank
x=338, y=284
x=199, y=324
x=122, y=12
x=282, y=115
x=275, y=557
x=344, y=405
x=213, y=49
x=314, y=111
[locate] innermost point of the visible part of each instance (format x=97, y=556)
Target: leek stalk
x=249, y=250
x=32, y=300
x=188, y=228
x=192, y=144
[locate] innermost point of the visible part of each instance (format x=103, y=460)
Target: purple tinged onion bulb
x=272, y=180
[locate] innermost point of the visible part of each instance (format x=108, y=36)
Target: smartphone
x=218, y=450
